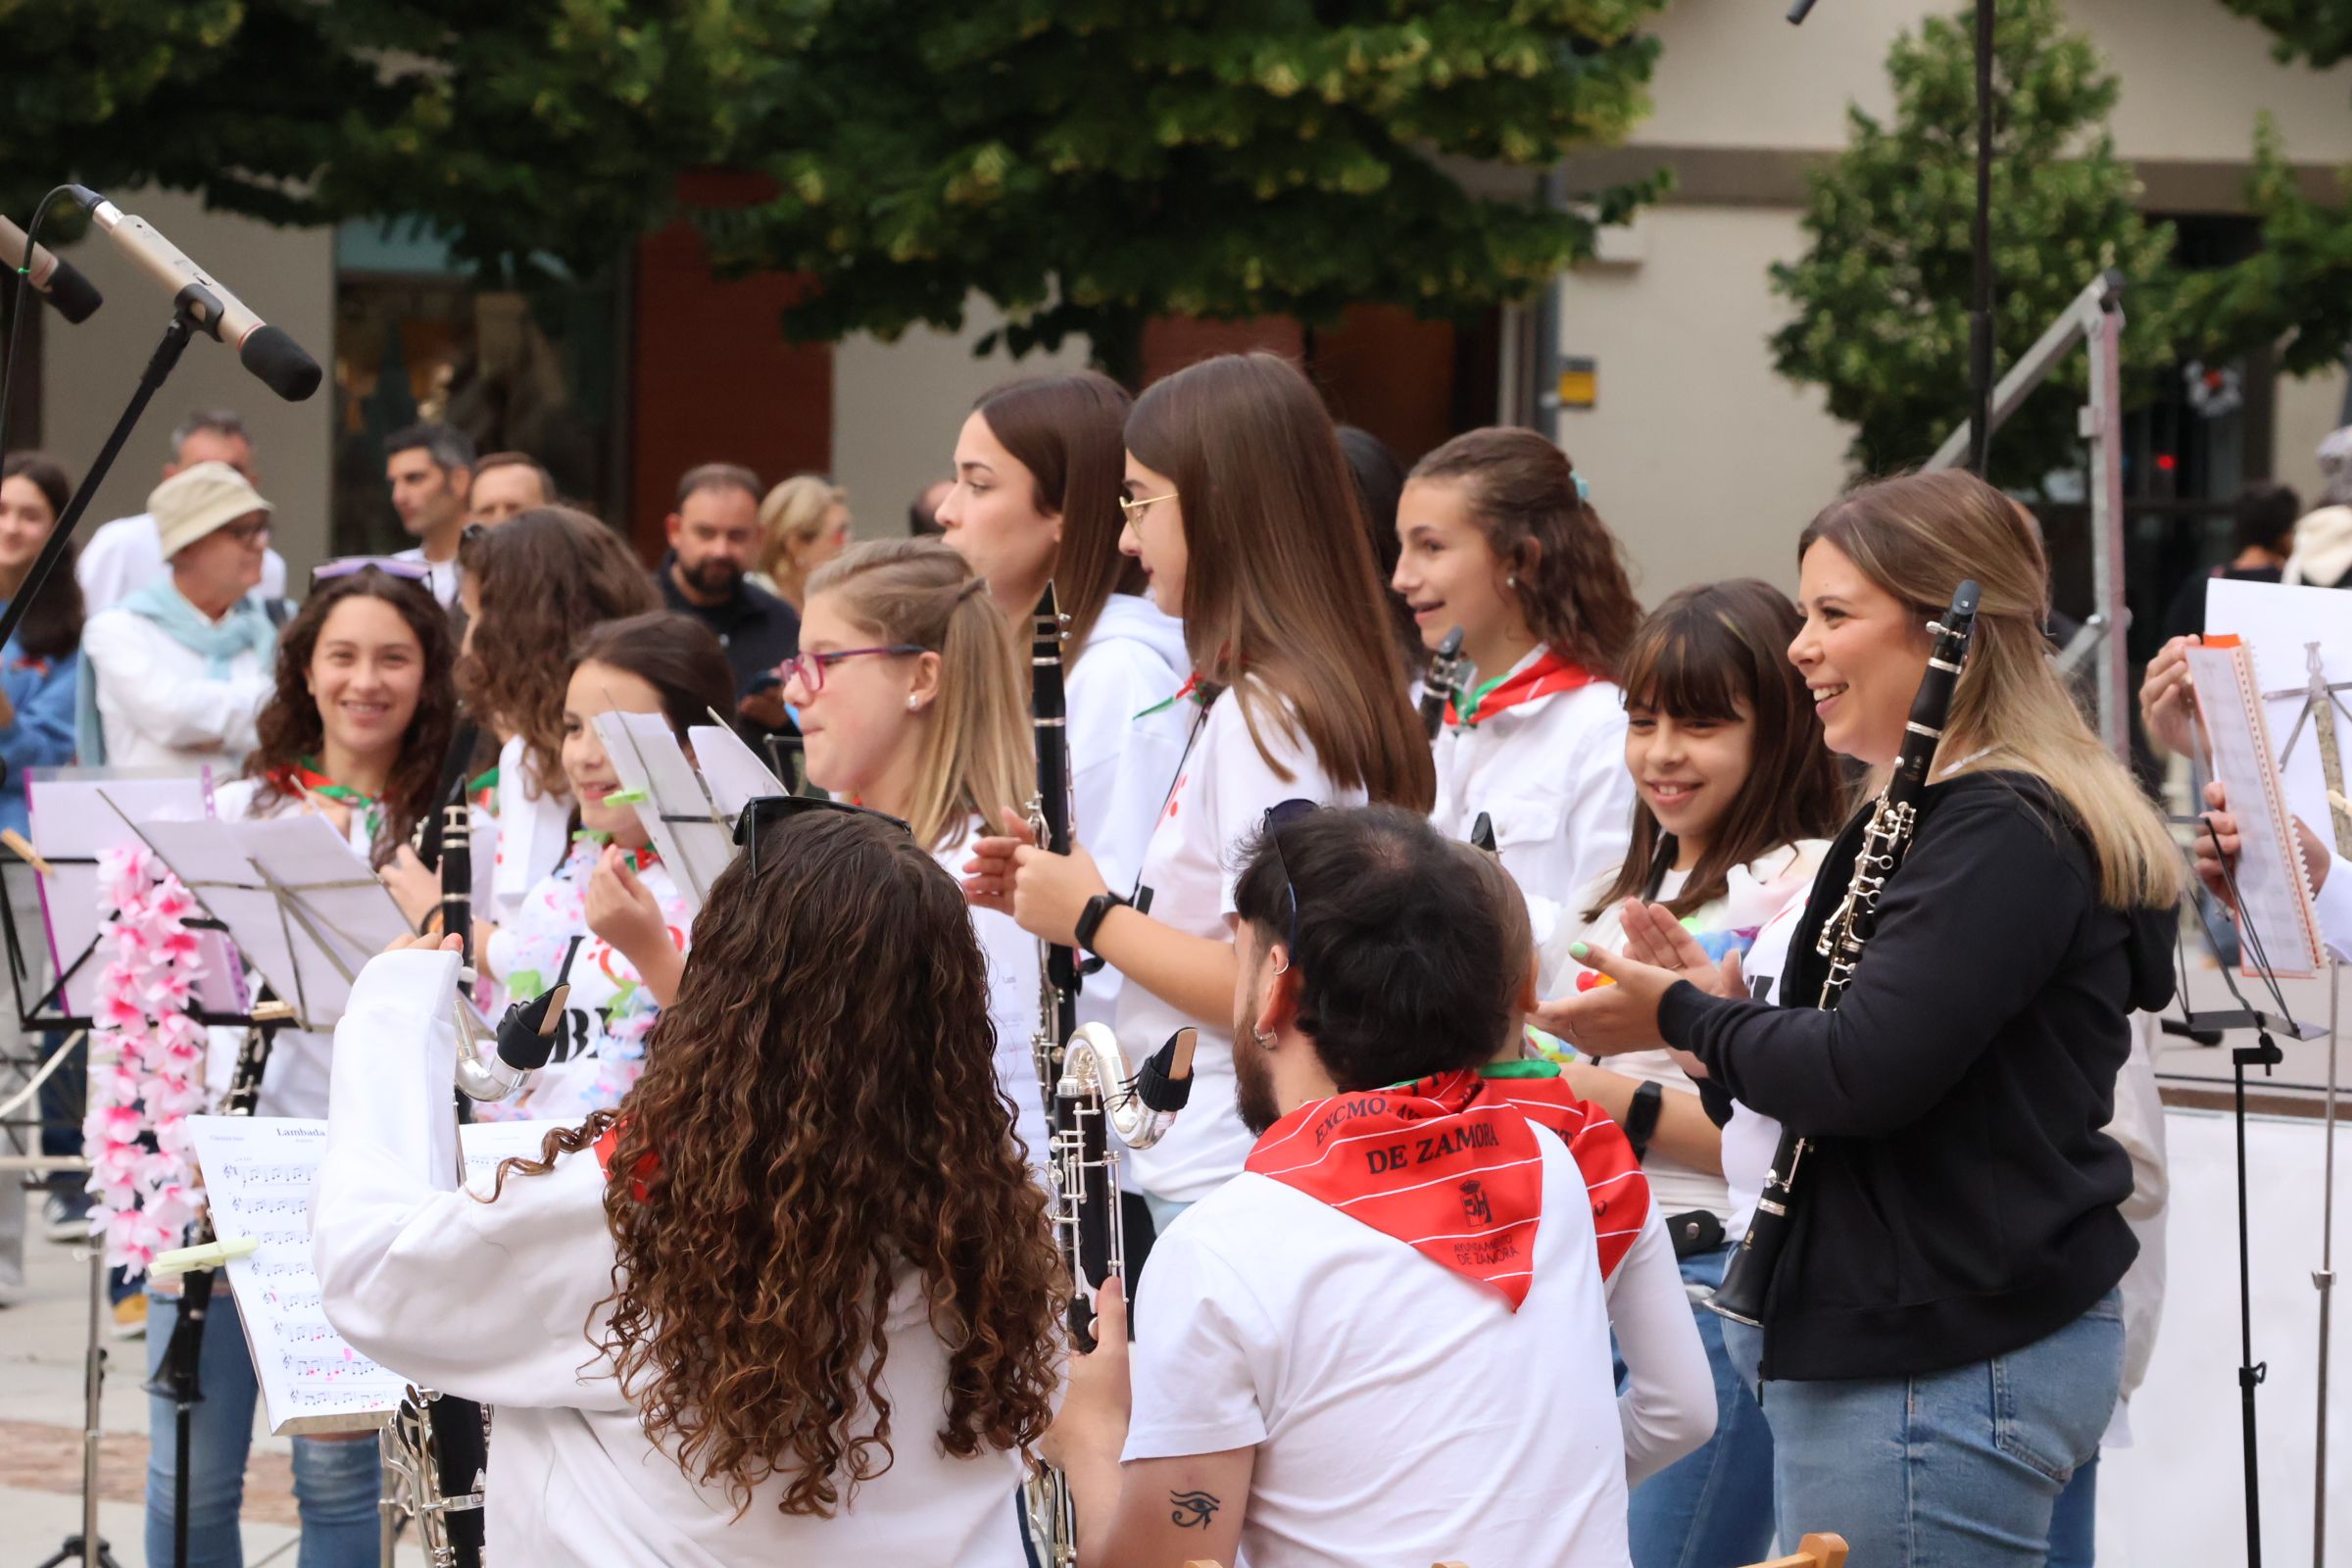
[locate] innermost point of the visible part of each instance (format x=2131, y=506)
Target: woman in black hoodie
x=1941, y=1341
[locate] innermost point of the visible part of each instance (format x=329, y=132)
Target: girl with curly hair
x=794, y=1303
x=532, y=586
x=1499, y=538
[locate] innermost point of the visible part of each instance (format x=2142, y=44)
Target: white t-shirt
x=126, y=555
x=159, y=704
x=1401, y=1412
x=1123, y=755
x=572, y=1477
x=1221, y=799
x=531, y=830
x=1754, y=893
x=1751, y=1138
x=1551, y=773
x=1012, y=1005
x=441, y=576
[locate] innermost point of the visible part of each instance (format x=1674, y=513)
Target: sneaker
x=130, y=1317
x=65, y=1216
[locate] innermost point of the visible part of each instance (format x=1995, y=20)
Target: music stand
x=689, y=831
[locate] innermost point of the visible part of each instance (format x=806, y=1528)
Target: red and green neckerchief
x=1550, y=675
x=482, y=789
x=1192, y=690
x=1613, y=1177
x=304, y=777
x=638, y=859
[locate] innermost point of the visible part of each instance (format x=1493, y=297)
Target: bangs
x=1686, y=664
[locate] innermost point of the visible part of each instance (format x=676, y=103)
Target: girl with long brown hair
x=1734, y=801
x=1243, y=512
x=912, y=701
x=795, y=1302
x=530, y=587
x=1499, y=538
x=610, y=921
x=1949, y=1278
x=1038, y=468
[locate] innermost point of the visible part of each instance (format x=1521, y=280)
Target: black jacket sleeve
x=1981, y=913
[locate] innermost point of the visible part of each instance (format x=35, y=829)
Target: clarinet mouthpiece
x=1165, y=1083
x=527, y=1034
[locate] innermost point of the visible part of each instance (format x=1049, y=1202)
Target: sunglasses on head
x=757, y=814
x=353, y=566
x=1280, y=815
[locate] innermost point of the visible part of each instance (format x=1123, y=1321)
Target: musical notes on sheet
x=259, y=1172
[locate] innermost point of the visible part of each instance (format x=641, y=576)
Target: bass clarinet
x=1885, y=840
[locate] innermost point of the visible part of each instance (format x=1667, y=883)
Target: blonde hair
x=793, y=513
x=978, y=755
x=1916, y=537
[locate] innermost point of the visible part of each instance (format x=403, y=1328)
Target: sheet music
x=732, y=769
x=302, y=906
x=2274, y=891
x=257, y=1174
x=2276, y=620
x=71, y=824
x=688, y=830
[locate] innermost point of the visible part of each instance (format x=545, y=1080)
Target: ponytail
x=976, y=757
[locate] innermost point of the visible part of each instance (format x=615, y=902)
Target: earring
x=1510, y=582
x=1262, y=1036
x=913, y=701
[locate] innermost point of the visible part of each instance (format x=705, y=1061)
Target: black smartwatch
x=1089, y=921
x=1641, y=1117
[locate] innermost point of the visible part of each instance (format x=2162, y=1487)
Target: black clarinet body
x=456, y=872
x=1436, y=686
x=1050, y=720
x=1748, y=1279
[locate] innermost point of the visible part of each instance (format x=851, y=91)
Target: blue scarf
x=245, y=626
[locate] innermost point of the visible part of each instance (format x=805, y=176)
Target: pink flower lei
x=147, y=1060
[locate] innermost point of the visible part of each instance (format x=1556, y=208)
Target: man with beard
x=1386, y=1340
x=713, y=538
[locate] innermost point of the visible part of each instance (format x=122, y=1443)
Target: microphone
x=264, y=350
x=59, y=281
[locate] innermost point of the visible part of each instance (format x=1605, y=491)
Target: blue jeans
x=1952, y=1469
x=336, y=1480
x=2074, y=1521
x=1711, y=1508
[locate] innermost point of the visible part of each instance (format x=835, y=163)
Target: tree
x=1883, y=294
x=2294, y=293
x=1090, y=163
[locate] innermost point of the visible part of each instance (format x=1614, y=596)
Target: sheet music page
x=258, y=1173
x=72, y=825
x=684, y=824
x=733, y=770
x=301, y=903
x=2278, y=623
x=2274, y=893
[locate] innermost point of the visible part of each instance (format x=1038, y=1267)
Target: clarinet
x=1885, y=840
x=456, y=872
x=1436, y=686
x=1095, y=1097
x=1050, y=821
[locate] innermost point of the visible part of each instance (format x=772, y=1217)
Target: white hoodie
x=1123, y=759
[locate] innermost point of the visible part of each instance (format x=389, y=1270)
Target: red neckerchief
x=1603, y=1153
x=1548, y=677
x=1444, y=1166
x=649, y=1165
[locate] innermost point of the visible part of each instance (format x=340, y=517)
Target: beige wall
x=1705, y=461
x=896, y=408
x=2307, y=410
x=88, y=371
x=1734, y=74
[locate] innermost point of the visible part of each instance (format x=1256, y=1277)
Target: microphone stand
x=159, y=364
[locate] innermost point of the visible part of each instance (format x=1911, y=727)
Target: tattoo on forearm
x=1192, y=1508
